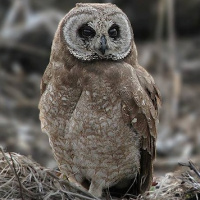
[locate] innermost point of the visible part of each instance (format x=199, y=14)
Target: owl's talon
x=95, y=189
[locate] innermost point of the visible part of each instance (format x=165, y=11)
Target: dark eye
x=114, y=31
x=86, y=31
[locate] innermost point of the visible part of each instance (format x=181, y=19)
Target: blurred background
x=167, y=35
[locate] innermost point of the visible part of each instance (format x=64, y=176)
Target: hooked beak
x=103, y=44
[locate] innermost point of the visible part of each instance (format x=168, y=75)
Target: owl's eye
x=114, y=31
x=86, y=31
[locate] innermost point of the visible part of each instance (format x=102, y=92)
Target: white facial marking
x=88, y=48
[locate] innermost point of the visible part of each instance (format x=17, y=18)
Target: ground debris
x=23, y=178
x=183, y=184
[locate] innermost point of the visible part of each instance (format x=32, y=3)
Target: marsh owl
x=98, y=106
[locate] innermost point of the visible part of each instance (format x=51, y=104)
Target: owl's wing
x=141, y=102
x=148, y=126
x=45, y=79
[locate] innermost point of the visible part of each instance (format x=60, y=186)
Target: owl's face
x=97, y=31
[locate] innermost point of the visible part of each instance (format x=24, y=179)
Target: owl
x=98, y=106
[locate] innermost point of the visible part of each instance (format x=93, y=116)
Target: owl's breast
x=87, y=131
x=104, y=145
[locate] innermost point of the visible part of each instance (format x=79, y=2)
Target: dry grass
x=180, y=185
x=22, y=178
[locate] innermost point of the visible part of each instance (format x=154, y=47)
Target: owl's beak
x=103, y=44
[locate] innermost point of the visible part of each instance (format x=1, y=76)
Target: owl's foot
x=95, y=189
x=73, y=181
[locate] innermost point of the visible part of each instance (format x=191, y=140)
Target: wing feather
x=141, y=102
x=45, y=79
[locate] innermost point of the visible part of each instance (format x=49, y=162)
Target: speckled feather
x=100, y=116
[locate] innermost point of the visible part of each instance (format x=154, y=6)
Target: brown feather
x=141, y=102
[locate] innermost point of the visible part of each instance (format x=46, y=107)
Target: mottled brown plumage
x=99, y=110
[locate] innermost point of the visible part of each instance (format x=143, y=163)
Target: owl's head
x=97, y=31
